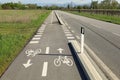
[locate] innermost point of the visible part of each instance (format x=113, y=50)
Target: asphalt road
x=102, y=37
x=41, y=58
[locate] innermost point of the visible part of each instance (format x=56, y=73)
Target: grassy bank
x=16, y=28
x=107, y=18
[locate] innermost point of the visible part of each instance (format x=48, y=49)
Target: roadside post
x=82, y=39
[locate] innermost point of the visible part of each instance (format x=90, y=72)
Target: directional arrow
x=27, y=64
x=60, y=50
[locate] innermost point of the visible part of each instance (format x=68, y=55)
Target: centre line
x=44, y=71
x=47, y=50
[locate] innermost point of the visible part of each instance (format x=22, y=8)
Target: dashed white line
x=47, y=50
x=70, y=37
x=45, y=68
x=77, y=37
x=38, y=35
x=73, y=31
x=36, y=39
x=34, y=42
x=69, y=27
x=68, y=34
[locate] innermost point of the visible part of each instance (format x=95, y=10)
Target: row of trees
x=18, y=5
x=105, y=4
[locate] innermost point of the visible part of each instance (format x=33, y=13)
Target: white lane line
x=77, y=37
x=73, y=31
x=34, y=42
x=44, y=71
x=35, y=38
x=68, y=34
x=38, y=35
x=47, y=50
x=69, y=27
x=52, y=18
x=70, y=37
x=116, y=34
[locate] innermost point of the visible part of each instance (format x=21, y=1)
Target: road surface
x=102, y=37
x=46, y=57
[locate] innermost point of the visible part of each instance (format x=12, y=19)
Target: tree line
x=105, y=4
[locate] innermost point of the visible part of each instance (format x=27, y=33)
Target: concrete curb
x=87, y=64
x=59, y=19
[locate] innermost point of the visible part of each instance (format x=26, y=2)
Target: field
x=16, y=28
x=108, y=18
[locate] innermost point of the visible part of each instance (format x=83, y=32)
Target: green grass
x=16, y=31
x=108, y=18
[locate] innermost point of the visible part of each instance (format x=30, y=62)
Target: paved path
x=46, y=56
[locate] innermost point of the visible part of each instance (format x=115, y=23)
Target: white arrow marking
x=27, y=64
x=60, y=50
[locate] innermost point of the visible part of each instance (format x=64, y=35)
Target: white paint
x=64, y=60
x=52, y=18
x=41, y=31
x=73, y=31
x=47, y=50
x=35, y=38
x=38, y=35
x=66, y=30
x=34, y=42
x=117, y=34
x=77, y=37
x=70, y=37
x=45, y=68
x=32, y=53
x=82, y=43
x=68, y=34
x=69, y=27
x=60, y=50
x=102, y=65
x=28, y=64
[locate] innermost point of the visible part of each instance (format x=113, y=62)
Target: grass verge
x=15, y=31
x=108, y=18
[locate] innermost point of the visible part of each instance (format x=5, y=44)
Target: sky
x=51, y=1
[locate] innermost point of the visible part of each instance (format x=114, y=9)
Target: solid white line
x=35, y=38
x=116, y=34
x=47, y=50
x=77, y=37
x=34, y=42
x=45, y=67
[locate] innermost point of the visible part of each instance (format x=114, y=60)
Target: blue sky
x=51, y=1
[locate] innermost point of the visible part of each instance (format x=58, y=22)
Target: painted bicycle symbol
x=64, y=60
x=32, y=53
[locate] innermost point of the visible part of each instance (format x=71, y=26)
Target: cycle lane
x=41, y=66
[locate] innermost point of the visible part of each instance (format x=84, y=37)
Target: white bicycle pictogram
x=32, y=53
x=64, y=60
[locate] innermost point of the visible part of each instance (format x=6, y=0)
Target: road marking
x=68, y=34
x=77, y=37
x=69, y=27
x=38, y=35
x=34, y=42
x=27, y=64
x=70, y=37
x=47, y=50
x=36, y=39
x=52, y=18
x=41, y=31
x=116, y=34
x=45, y=67
x=73, y=31
x=66, y=30
x=60, y=50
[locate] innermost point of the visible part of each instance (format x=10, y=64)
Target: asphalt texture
x=102, y=37
x=38, y=58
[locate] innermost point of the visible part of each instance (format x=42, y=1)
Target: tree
x=94, y=5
